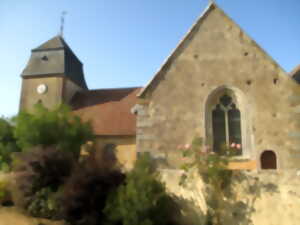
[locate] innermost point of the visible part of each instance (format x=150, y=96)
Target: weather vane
x=211, y=1
x=62, y=22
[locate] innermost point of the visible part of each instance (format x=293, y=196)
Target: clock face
x=41, y=89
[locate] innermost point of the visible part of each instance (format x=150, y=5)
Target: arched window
x=268, y=160
x=226, y=125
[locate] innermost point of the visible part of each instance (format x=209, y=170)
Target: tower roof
x=56, y=42
x=55, y=58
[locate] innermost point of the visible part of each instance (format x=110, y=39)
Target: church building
x=54, y=75
x=218, y=84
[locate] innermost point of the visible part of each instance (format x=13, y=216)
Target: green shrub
x=142, y=200
x=7, y=144
x=59, y=128
x=45, y=203
x=3, y=191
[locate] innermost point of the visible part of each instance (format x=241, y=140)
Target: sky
x=122, y=43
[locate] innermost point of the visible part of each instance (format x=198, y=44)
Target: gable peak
x=57, y=42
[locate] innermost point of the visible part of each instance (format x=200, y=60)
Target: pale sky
x=122, y=43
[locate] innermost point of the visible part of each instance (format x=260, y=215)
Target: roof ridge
x=120, y=88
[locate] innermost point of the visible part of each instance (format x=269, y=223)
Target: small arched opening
x=268, y=160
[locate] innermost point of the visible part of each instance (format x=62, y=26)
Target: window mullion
x=227, y=128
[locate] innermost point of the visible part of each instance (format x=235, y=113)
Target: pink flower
x=179, y=147
x=232, y=145
x=187, y=146
x=205, y=149
x=238, y=146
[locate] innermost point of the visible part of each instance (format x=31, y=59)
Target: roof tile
x=109, y=110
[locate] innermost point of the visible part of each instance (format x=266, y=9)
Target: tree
x=50, y=143
x=59, y=128
x=8, y=144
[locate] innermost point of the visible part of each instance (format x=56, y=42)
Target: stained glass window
x=226, y=121
x=219, y=128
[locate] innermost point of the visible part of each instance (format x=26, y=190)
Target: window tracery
x=226, y=125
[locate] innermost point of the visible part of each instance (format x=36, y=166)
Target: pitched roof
x=54, y=43
x=55, y=57
x=109, y=110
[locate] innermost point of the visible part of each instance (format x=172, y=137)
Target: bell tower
x=52, y=76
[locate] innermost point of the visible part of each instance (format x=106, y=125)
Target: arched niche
x=268, y=160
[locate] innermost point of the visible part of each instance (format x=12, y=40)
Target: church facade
x=221, y=86
x=218, y=84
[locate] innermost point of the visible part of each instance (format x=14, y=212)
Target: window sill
x=240, y=158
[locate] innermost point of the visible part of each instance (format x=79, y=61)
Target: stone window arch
x=268, y=160
x=226, y=124
x=227, y=120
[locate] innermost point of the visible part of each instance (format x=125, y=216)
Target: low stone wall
x=275, y=202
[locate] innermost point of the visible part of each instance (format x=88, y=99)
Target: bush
x=4, y=193
x=142, y=200
x=86, y=191
x=40, y=176
x=59, y=128
x=7, y=144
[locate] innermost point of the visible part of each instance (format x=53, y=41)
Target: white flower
x=232, y=145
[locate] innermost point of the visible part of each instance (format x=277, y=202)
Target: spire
x=56, y=42
x=62, y=23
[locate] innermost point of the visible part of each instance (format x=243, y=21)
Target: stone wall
x=125, y=148
x=69, y=90
x=50, y=99
x=217, y=56
x=272, y=207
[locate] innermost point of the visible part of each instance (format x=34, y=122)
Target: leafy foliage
x=142, y=200
x=220, y=195
x=86, y=191
x=7, y=144
x=3, y=190
x=45, y=204
x=59, y=128
x=212, y=167
x=40, y=175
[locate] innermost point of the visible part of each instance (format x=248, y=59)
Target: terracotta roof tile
x=109, y=110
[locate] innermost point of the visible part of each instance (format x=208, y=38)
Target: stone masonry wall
x=29, y=95
x=218, y=55
x=277, y=207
